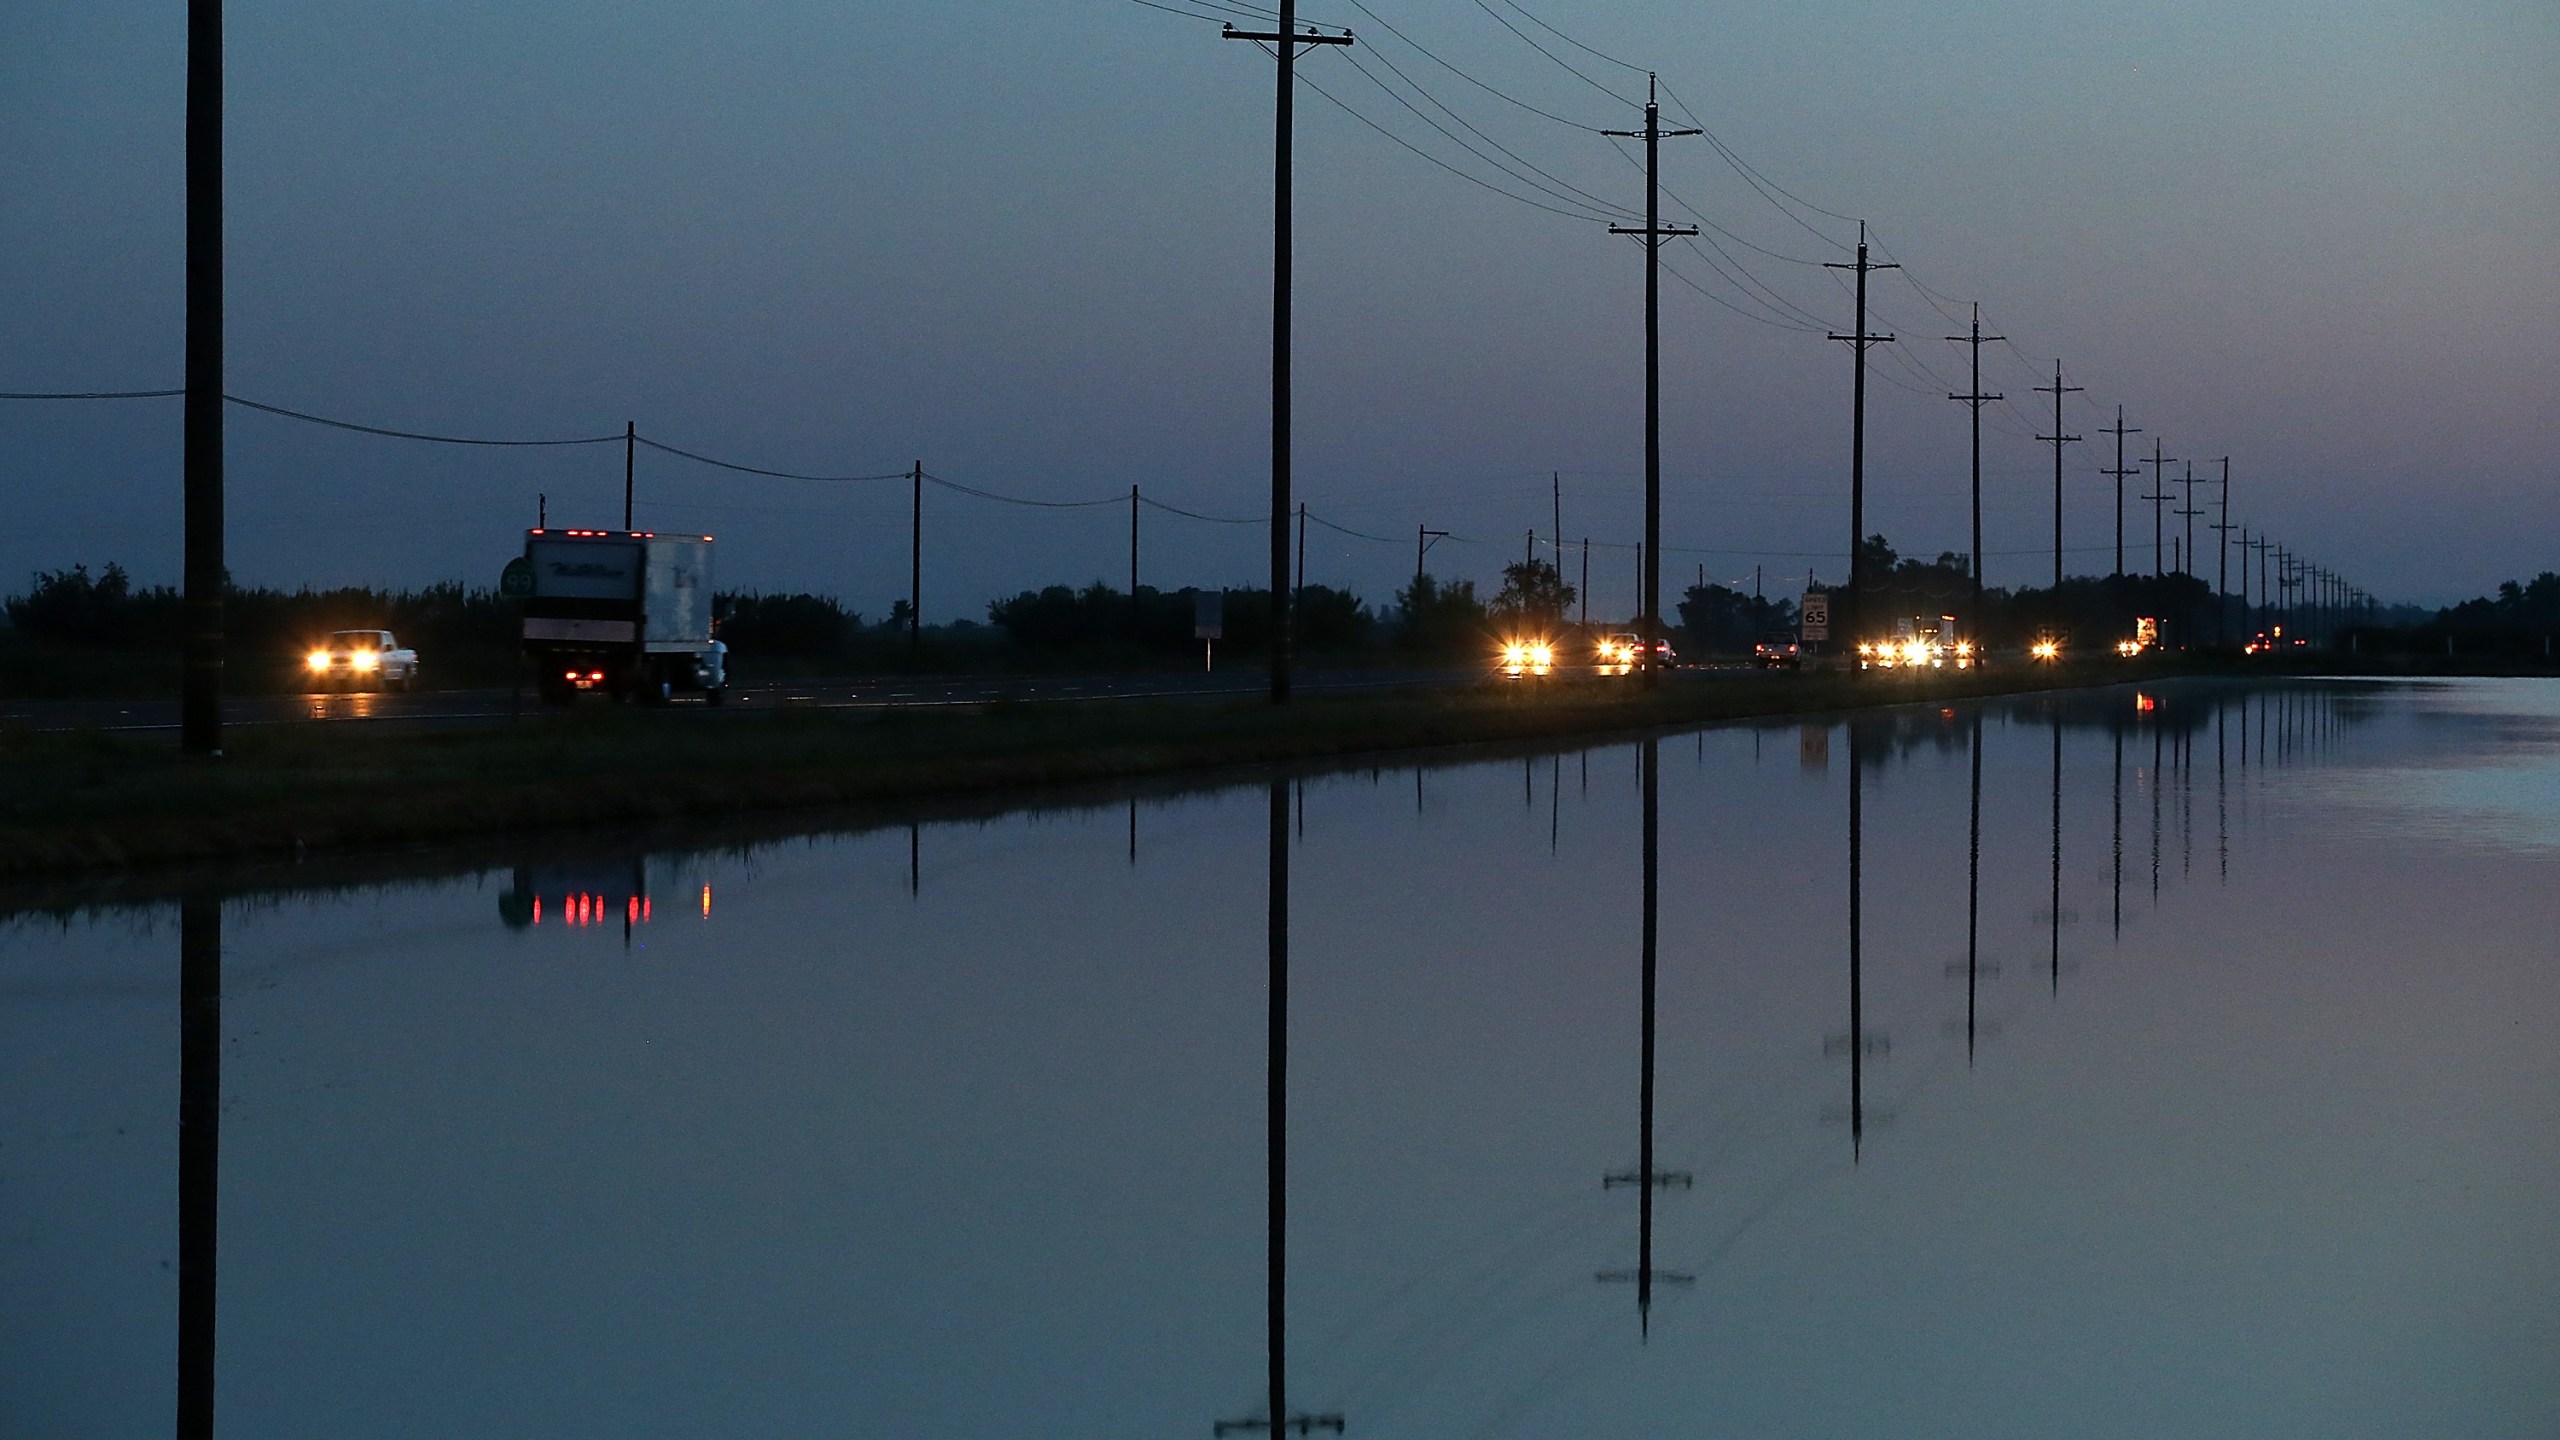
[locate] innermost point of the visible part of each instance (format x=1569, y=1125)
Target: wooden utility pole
x=630, y=456
x=2057, y=389
x=2222, y=563
x=2159, y=493
x=2119, y=430
x=205, y=575
x=1653, y=234
x=1859, y=340
x=915, y=564
x=1283, y=44
x=1975, y=401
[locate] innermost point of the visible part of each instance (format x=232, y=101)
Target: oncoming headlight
x=317, y=659
x=364, y=660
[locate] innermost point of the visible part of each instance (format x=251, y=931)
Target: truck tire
x=716, y=695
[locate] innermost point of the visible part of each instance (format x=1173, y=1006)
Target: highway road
x=463, y=709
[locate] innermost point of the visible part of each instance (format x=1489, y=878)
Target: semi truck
x=626, y=612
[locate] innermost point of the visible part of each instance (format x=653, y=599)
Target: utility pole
x=2058, y=390
x=2266, y=600
x=915, y=564
x=1555, y=482
x=1975, y=401
x=630, y=450
x=1422, y=539
x=2188, y=510
x=2119, y=431
x=1283, y=44
x=2222, y=563
x=1653, y=234
x=1859, y=340
x=2159, y=493
x=1584, y=596
x=1135, y=615
x=205, y=577
x=1299, y=593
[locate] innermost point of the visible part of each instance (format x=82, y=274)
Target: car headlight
x=364, y=660
x=317, y=659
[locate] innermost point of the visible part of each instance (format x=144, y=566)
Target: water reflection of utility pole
x=2221, y=790
x=2118, y=867
x=1133, y=832
x=2054, y=927
x=1973, y=880
x=2155, y=813
x=1856, y=1042
x=915, y=857
x=2186, y=803
x=1276, y=1133
x=1645, y=1178
x=199, y=1153
x=1555, y=802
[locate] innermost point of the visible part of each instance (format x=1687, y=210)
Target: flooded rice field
x=2136, y=1062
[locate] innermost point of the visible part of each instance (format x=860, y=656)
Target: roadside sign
x=1208, y=614
x=1814, y=610
x=516, y=581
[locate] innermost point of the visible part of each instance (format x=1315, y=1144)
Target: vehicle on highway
x=1528, y=656
x=1777, y=650
x=1919, y=642
x=627, y=612
x=1621, y=652
x=361, y=660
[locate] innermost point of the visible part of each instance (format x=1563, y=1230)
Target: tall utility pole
x=2057, y=389
x=2120, y=431
x=2188, y=511
x=1859, y=341
x=915, y=561
x=1975, y=401
x=2266, y=599
x=630, y=454
x=1422, y=538
x=1555, y=482
x=1133, y=561
x=2222, y=563
x=1584, y=598
x=200, y=681
x=1653, y=234
x=2159, y=493
x=1299, y=591
x=1283, y=44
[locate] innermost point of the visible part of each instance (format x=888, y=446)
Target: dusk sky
x=1029, y=243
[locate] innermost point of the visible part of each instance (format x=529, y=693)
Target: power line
x=1339, y=104
x=1560, y=62
x=409, y=434
x=88, y=394
x=1390, y=28
x=774, y=474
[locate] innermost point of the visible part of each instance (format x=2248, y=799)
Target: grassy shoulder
x=74, y=801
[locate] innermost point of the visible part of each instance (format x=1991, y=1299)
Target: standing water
x=2175, y=1061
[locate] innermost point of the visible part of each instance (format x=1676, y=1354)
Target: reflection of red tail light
x=2145, y=704
x=537, y=909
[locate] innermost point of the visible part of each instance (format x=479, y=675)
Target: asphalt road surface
x=463, y=709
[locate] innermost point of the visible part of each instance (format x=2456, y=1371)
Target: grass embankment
x=77, y=801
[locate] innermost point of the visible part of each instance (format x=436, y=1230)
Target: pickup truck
x=361, y=660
